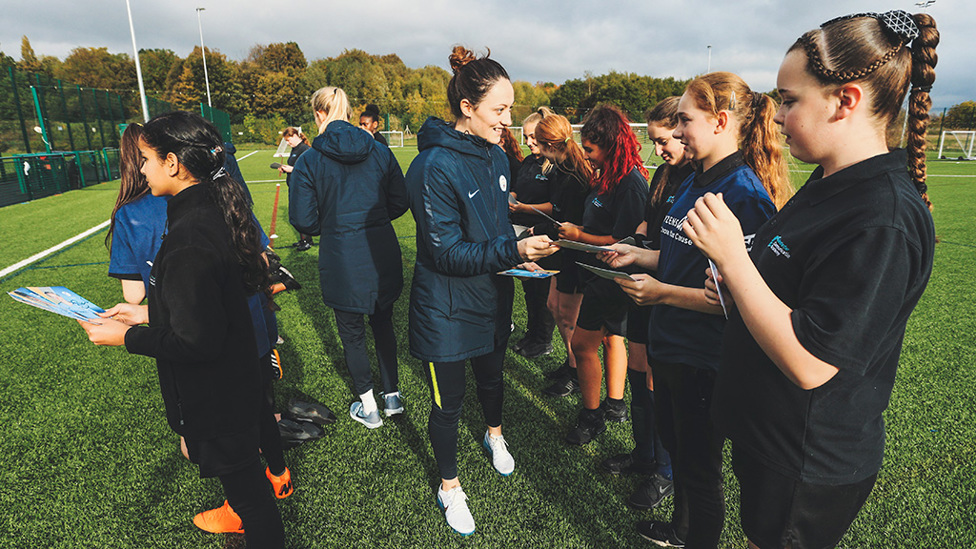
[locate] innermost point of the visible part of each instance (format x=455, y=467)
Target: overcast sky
x=536, y=41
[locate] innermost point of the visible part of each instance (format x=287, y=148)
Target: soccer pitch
x=90, y=462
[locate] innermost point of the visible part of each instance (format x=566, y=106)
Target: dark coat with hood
x=458, y=186
x=349, y=188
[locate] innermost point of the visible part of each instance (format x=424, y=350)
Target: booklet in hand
x=605, y=273
x=59, y=300
x=588, y=248
x=523, y=273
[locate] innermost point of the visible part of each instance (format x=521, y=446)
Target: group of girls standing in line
x=817, y=288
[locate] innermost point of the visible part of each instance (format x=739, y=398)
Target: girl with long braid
x=822, y=301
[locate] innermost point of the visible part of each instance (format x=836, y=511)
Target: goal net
x=957, y=145
x=393, y=138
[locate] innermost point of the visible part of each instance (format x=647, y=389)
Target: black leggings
x=270, y=440
x=247, y=492
x=352, y=333
x=446, y=382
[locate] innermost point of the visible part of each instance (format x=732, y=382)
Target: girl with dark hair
x=299, y=145
x=822, y=301
x=349, y=189
x=612, y=211
x=138, y=222
x=513, y=151
x=649, y=455
x=531, y=189
x=570, y=175
x=201, y=333
x=370, y=121
x=459, y=308
x=728, y=130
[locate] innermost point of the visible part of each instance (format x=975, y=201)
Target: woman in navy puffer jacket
x=459, y=308
x=348, y=188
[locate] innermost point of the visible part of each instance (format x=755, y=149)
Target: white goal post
x=965, y=140
x=393, y=138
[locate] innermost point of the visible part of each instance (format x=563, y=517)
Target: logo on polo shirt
x=152, y=280
x=503, y=183
x=541, y=176
x=779, y=247
x=670, y=199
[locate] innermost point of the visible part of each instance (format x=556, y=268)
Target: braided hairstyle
x=197, y=145
x=873, y=50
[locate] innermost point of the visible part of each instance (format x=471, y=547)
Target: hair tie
x=921, y=89
x=219, y=173
x=897, y=22
x=732, y=101
x=568, y=139
x=216, y=149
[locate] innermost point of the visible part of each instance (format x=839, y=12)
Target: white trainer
x=497, y=450
x=455, y=506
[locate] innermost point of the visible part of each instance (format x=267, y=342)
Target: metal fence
x=219, y=119
x=25, y=177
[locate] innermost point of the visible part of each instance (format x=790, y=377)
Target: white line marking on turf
x=247, y=155
x=49, y=251
x=265, y=181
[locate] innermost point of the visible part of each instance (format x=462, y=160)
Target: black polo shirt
x=569, y=193
x=850, y=254
x=531, y=186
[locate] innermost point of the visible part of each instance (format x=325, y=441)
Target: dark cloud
x=536, y=41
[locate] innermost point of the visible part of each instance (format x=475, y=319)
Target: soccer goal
x=960, y=146
x=393, y=138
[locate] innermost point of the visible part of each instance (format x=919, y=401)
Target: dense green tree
x=961, y=116
x=156, y=64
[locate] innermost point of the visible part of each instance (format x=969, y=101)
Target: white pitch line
x=49, y=251
x=247, y=155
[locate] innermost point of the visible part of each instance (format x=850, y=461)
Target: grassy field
x=90, y=462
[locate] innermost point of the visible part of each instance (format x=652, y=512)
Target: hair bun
x=371, y=109
x=460, y=57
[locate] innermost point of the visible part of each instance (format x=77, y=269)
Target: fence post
x=42, y=113
x=67, y=122
x=20, y=111
x=98, y=116
x=84, y=120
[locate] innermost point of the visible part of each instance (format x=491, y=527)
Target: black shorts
x=778, y=511
x=637, y=321
x=604, y=306
x=568, y=279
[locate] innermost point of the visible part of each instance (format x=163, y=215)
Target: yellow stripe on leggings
x=433, y=382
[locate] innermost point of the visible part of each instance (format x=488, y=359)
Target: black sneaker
x=589, y=425
x=651, y=493
x=626, y=464
x=303, y=245
x=661, y=533
x=518, y=345
x=562, y=371
x=562, y=387
x=614, y=411
x=534, y=350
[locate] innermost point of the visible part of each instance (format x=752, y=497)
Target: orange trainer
x=221, y=520
x=281, y=484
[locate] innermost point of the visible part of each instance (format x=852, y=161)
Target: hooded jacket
x=458, y=187
x=348, y=188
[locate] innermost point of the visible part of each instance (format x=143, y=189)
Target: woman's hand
x=536, y=247
x=127, y=313
x=109, y=332
x=644, y=289
x=621, y=256
x=715, y=230
x=711, y=292
x=530, y=266
x=286, y=168
x=568, y=231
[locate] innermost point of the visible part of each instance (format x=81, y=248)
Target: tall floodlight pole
x=203, y=52
x=135, y=51
x=709, y=66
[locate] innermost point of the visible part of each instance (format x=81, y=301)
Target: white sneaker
x=497, y=449
x=455, y=507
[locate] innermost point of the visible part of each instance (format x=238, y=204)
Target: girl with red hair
x=612, y=211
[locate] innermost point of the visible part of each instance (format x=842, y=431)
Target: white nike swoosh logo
x=471, y=195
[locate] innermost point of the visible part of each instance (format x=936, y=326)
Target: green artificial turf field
x=90, y=462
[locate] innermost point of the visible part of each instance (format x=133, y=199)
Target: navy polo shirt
x=682, y=336
x=138, y=233
x=850, y=254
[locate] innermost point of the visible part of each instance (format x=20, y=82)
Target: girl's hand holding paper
x=644, y=289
